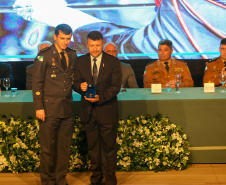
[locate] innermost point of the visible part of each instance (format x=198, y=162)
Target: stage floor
x=196, y=174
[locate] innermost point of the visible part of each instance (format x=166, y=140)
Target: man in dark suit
x=99, y=114
x=29, y=69
x=6, y=72
x=52, y=93
x=128, y=76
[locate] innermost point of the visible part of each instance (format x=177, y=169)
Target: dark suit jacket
x=29, y=72
x=51, y=85
x=108, y=86
x=6, y=72
x=128, y=76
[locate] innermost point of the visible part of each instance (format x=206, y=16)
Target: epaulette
x=44, y=49
x=71, y=49
x=212, y=60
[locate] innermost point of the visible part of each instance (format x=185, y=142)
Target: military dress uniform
x=213, y=70
x=156, y=73
x=52, y=91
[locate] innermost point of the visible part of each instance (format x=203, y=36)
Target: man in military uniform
x=52, y=93
x=215, y=66
x=128, y=76
x=29, y=68
x=163, y=71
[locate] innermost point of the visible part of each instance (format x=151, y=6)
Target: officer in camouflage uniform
x=163, y=71
x=215, y=66
x=52, y=94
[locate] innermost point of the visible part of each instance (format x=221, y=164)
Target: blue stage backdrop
x=136, y=26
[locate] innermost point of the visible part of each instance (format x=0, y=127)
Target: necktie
x=94, y=71
x=63, y=60
x=167, y=66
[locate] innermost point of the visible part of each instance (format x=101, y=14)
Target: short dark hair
x=223, y=41
x=65, y=28
x=95, y=35
x=166, y=42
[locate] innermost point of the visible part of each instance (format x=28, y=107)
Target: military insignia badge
x=40, y=58
x=53, y=59
x=53, y=64
x=178, y=69
x=214, y=67
x=53, y=75
x=37, y=93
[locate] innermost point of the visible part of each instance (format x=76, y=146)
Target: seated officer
x=128, y=76
x=215, y=66
x=163, y=70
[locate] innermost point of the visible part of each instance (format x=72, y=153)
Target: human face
x=95, y=47
x=222, y=50
x=111, y=50
x=62, y=40
x=164, y=52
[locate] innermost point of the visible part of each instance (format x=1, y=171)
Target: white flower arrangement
x=144, y=143
x=151, y=143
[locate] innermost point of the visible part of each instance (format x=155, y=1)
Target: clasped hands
x=83, y=87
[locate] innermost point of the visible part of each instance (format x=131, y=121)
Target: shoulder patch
x=212, y=60
x=40, y=58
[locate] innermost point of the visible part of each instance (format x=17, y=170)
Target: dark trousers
x=55, y=139
x=102, y=149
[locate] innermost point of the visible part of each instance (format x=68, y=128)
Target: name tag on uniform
x=209, y=87
x=156, y=88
